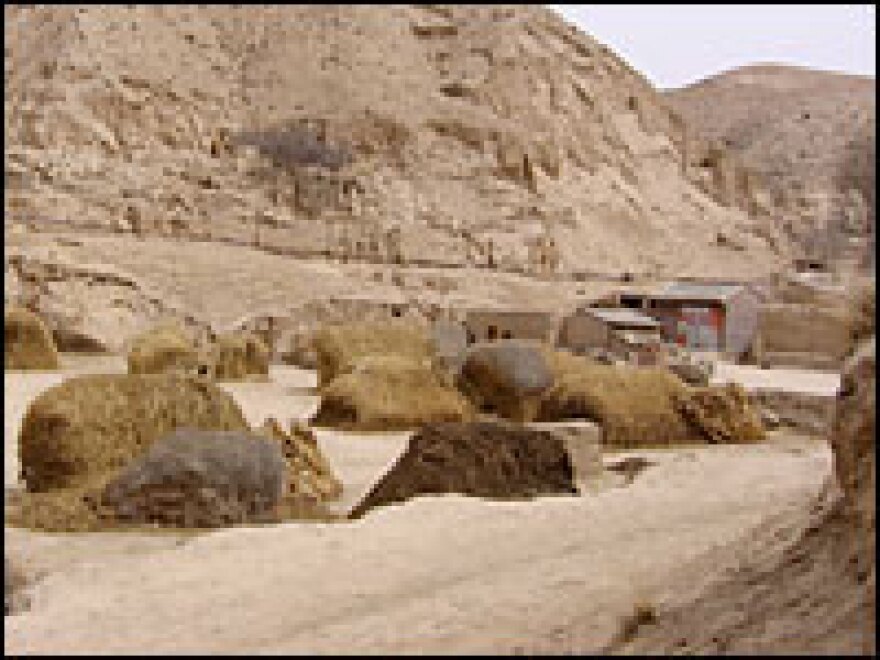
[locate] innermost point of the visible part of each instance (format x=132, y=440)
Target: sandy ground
x=805, y=381
x=437, y=574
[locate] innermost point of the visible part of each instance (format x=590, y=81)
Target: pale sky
x=674, y=45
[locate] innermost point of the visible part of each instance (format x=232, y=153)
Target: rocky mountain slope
x=809, y=134
x=496, y=137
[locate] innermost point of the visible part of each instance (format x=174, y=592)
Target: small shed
x=719, y=317
x=614, y=330
x=492, y=324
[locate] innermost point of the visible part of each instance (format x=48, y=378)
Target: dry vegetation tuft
x=27, y=342
x=166, y=347
x=647, y=407
x=90, y=425
x=239, y=357
x=391, y=392
x=339, y=347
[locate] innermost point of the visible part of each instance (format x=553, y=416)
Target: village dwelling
x=621, y=332
x=706, y=317
x=489, y=325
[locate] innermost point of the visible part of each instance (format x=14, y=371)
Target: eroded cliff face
x=493, y=136
x=853, y=444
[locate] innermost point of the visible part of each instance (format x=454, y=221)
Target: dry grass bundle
x=166, y=347
x=63, y=510
x=636, y=406
x=647, y=406
x=384, y=393
x=27, y=342
x=309, y=472
x=94, y=424
x=239, y=357
x=563, y=362
x=338, y=347
x=722, y=415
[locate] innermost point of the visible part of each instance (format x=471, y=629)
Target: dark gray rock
x=194, y=478
x=506, y=377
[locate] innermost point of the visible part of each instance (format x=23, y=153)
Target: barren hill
x=802, y=130
x=497, y=138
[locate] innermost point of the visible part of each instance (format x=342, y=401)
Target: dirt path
x=439, y=574
x=446, y=574
x=805, y=381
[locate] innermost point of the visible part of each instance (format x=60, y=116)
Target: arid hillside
x=804, y=584
x=499, y=137
x=809, y=134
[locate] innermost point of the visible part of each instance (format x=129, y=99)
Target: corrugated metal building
x=713, y=317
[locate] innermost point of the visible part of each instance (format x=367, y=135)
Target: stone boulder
x=193, y=478
x=507, y=378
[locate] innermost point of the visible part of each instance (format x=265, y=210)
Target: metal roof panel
x=699, y=290
x=618, y=316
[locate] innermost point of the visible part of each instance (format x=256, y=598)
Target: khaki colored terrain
x=497, y=140
x=247, y=175
x=810, y=137
x=354, y=586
